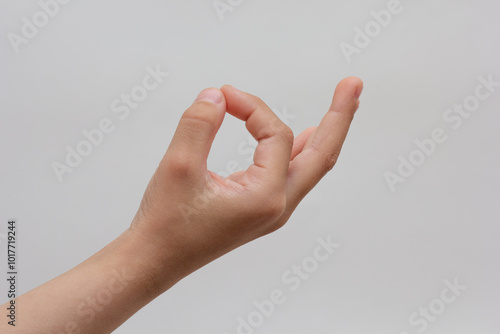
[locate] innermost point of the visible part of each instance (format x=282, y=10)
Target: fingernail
x=358, y=92
x=212, y=95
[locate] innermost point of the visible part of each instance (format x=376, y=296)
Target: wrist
x=152, y=267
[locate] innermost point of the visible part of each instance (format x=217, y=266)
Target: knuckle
x=287, y=134
x=258, y=100
x=272, y=207
x=200, y=114
x=281, y=129
x=275, y=226
x=179, y=164
x=330, y=160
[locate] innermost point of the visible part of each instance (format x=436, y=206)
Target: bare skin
x=190, y=216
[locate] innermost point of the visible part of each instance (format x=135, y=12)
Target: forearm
x=101, y=293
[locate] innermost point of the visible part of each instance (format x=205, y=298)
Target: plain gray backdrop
x=397, y=247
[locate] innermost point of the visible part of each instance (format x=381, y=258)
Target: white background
x=397, y=248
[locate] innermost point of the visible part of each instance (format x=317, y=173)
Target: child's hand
x=192, y=216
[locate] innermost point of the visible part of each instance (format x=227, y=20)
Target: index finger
x=272, y=155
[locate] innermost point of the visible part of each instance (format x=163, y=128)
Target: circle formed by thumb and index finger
x=275, y=139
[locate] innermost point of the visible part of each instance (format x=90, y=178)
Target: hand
x=191, y=215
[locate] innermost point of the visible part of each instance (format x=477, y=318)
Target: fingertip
x=212, y=95
x=352, y=86
x=359, y=88
x=238, y=103
x=228, y=89
x=225, y=87
x=352, y=80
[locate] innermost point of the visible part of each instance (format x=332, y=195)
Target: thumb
x=196, y=131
